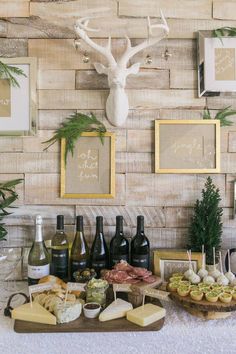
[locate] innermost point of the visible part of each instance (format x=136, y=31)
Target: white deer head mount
x=117, y=105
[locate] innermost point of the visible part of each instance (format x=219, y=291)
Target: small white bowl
x=91, y=313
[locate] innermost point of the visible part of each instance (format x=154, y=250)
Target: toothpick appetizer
x=202, y=271
x=229, y=275
x=222, y=280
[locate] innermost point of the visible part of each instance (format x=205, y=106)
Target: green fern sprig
x=73, y=127
x=221, y=115
x=8, y=195
x=9, y=72
x=224, y=32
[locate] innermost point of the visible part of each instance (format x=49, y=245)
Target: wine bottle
x=119, y=245
x=60, y=251
x=99, y=250
x=39, y=258
x=140, y=248
x=79, y=257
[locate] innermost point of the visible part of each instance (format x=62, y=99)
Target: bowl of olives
x=84, y=275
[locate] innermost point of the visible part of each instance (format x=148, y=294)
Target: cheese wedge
x=117, y=309
x=145, y=315
x=34, y=313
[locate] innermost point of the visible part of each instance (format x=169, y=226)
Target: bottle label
x=77, y=265
x=60, y=263
x=99, y=264
x=116, y=258
x=140, y=260
x=38, y=272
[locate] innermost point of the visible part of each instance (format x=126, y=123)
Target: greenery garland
x=8, y=196
x=73, y=127
x=221, y=115
x=9, y=72
x=224, y=32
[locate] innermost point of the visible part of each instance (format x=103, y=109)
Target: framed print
x=90, y=172
x=169, y=261
x=216, y=64
x=18, y=105
x=187, y=146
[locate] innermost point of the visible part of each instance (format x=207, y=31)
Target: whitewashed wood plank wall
x=162, y=90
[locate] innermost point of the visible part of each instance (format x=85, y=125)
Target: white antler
x=151, y=40
x=81, y=27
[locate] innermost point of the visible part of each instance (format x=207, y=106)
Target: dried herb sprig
x=9, y=72
x=73, y=127
x=221, y=115
x=8, y=195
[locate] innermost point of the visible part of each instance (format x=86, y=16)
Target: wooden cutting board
x=83, y=325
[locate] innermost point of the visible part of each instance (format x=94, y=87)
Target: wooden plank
x=61, y=53
x=181, y=114
x=168, y=190
x=220, y=102
x=186, y=28
x=71, y=9
x=14, y=8
x=72, y=99
x=51, y=119
x=154, y=217
x=48, y=193
x=178, y=217
x=142, y=119
x=29, y=162
x=13, y=47
x=35, y=143
x=232, y=141
x=182, y=54
x=140, y=140
x=56, y=79
x=11, y=144
x=145, y=79
x=229, y=200
x=225, y=10
x=25, y=214
x=36, y=27
x=143, y=99
x=171, y=8
x=228, y=162
x=183, y=79
x=140, y=162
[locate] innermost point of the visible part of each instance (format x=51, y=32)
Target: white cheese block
x=34, y=313
x=117, y=309
x=145, y=315
x=67, y=312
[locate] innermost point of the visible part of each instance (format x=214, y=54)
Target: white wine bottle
x=60, y=251
x=79, y=257
x=39, y=258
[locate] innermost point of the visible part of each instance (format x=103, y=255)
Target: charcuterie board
x=83, y=324
x=204, y=309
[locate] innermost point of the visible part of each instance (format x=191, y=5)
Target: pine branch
x=73, y=127
x=9, y=72
x=221, y=115
x=8, y=196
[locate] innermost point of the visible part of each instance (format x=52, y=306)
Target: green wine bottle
x=99, y=250
x=60, y=251
x=39, y=258
x=79, y=257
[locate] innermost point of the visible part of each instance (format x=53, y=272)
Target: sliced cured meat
x=150, y=279
x=123, y=265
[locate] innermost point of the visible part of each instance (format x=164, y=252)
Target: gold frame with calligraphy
x=161, y=255
x=216, y=126
x=64, y=166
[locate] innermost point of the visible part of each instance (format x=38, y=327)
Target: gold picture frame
x=177, y=261
x=23, y=100
x=90, y=172
x=187, y=146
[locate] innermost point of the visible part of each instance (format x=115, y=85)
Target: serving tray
x=204, y=309
x=84, y=325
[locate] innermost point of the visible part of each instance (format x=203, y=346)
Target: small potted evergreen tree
x=206, y=223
